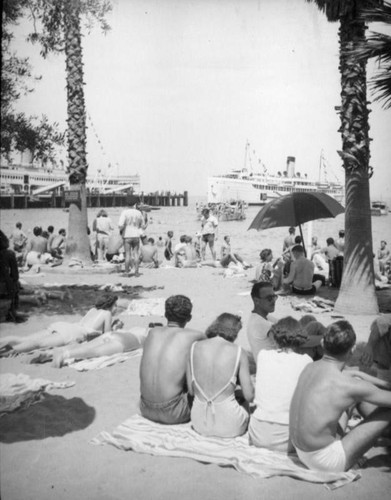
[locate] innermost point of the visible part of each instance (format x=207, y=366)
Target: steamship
x=258, y=188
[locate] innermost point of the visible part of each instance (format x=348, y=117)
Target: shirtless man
x=301, y=274
x=166, y=352
x=37, y=248
x=131, y=224
x=209, y=225
x=259, y=324
x=323, y=393
x=149, y=255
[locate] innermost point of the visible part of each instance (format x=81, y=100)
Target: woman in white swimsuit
x=215, y=410
x=94, y=323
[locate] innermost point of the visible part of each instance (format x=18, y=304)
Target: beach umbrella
x=295, y=209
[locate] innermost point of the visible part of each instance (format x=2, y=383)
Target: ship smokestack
x=290, y=166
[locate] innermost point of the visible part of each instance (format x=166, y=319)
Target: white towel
x=20, y=390
x=103, y=361
x=143, y=436
x=146, y=307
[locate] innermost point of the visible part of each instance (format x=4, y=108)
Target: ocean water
x=183, y=220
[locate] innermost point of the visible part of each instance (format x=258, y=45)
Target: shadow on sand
x=54, y=416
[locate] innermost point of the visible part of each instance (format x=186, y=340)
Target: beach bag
x=335, y=272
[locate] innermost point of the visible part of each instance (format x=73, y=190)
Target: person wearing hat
x=278, y=371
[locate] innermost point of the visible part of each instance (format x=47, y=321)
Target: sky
x=177, y=89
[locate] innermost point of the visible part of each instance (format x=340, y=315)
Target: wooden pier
x=94, y=200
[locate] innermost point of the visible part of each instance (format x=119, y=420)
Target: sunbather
x=277, y=374
x=215, y=411
x=95, y=322
x=107, y=344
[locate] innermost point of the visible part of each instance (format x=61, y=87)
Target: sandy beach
x=46, y=451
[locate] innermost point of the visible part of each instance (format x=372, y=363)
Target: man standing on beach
x=259, y=324
x=131, y=225
x=209, y=225
x=289, y=240
x=323, y=393
x=164, y=397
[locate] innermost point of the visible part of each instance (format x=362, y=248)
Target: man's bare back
x=322, y=394
x=164, y=361
x=324, y=391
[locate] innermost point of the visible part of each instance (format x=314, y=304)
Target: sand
x=45, y=449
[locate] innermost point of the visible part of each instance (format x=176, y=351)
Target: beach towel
x=143, y=436
x=146, y=307
x=85, y=365
x=20, y=391
x=314, y=305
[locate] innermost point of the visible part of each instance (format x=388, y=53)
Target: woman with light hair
x=215, y=367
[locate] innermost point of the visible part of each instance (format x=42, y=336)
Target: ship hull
x=260, y=191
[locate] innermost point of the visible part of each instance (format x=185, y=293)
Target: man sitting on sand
x=259, y=324
x=148, y=254
x=164, y=397
x=377, y=352
x=301, y=274
x=227, y=256
x=323, y=393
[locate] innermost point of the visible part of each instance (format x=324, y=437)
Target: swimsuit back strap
x=232, y=380
x=191, y=362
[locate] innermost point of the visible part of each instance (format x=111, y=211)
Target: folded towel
x=143, y=436
x=146, y=307
x=102, y=362
x=21, y=391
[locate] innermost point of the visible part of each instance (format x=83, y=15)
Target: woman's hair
x=330, y=241
x=288, y=332
x=102, y=213
x=314, y=328
x=339, y=338
x=226, y=326
x=307, y=318
x=106, y=302
x=265, y=254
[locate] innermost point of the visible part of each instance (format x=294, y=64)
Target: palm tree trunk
x=77, y=241
x=357, y=294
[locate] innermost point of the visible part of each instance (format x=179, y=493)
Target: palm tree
x=61, y=32
x=378, y=45
x=357, y=293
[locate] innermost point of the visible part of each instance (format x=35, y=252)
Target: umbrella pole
x=302, y=240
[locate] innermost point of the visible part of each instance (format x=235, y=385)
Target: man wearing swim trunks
x=163, y=365
x=131, y=224
x=301, y=274
x=209, y=225
x=323, y=393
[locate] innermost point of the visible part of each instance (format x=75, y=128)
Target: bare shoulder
x=356, y=387
x=194, y=334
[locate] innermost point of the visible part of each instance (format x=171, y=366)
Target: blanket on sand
x=85, y=365
x=21, y=391
x=143, y=436
x=146, y=307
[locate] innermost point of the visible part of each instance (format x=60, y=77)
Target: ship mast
x=245, y=155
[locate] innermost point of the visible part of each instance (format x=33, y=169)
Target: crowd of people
x=292, y=391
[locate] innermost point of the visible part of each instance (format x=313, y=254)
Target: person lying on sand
x=277, y=374
x=323, y=393
x=215, y=367
x=107, y=344
x=166, y=350
x=95, y=322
